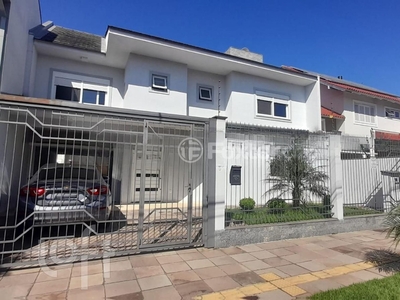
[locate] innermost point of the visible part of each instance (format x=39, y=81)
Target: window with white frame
x=205, y=93
x=364, y=113
x=272, y=105
x=392, y=113
x=159, y=82
x=78, y=88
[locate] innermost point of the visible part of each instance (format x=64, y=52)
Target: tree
x=293, y=171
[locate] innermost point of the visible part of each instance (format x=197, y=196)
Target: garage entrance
x=84, y=183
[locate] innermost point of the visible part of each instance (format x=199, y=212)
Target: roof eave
x=134, y=34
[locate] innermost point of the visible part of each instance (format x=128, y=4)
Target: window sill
x=159, y=92
x=265, y=117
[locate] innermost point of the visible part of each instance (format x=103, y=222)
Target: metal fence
x=284, y=175
x=363, y=160
x=85, y=183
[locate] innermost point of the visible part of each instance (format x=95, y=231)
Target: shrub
x=277, y=205
x=247, y=204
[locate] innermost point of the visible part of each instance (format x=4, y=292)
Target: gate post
x=216, y=162
x=336, y=176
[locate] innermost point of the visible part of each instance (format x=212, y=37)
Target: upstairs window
x=392, y=113
x=159, y=83
x=205, y=93
x=270, y=105
x=364, y=113
x=81, y=89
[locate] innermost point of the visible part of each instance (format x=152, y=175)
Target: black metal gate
x=78, y=183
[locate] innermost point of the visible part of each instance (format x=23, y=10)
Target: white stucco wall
x=382, y=122
x=139, y=94
x=24, y=15
x=45, y=65
x=313, y=106
x=241, y=105
x=201, y=108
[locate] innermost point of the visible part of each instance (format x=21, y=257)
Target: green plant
x=247, y=204
x=277, y=205
x=392, y=224
x=294, y=171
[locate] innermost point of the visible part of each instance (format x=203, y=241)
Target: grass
x=357, y=211
x=268, y=215
x=378, y=289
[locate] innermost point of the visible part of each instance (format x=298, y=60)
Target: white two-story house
x=131, y=70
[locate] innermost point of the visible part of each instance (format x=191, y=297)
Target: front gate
x=79, y=184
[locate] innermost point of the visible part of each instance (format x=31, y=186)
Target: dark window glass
x=67, y=174
x=67, y=93
x=89, y=96
x=159, y=82
x=102, y=98
x=397, y=114
x=280, y=110
x=205, y=94
x=264, y=107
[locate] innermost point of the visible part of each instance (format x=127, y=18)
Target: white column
x=216, y=160
x=336, y=176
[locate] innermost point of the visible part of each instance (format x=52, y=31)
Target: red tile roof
x=367, y=92
x=387, y=136
x=348, y=86
x=325, y=112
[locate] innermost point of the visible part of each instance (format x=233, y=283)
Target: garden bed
x=265, y=215
x=349, y=211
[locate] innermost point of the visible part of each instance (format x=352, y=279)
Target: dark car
x=66, y=193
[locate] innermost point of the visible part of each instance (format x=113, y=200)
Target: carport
x=155, y=182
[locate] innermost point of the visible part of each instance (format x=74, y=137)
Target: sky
x=359, y=40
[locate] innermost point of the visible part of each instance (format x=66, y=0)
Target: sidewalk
x=275, y=270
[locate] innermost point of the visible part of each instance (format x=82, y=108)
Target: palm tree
x=293, y=171
x=392, y=225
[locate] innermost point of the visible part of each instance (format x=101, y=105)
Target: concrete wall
x=201, y=108
x=132, y=89
x=332, y=99
x=241, y=106
x=139, y=94
x=313, y=107
x=45, y=65
x=274, y=232
x=24, y=15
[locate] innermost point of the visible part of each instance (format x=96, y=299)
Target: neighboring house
x=127, y=69
x=355, y=109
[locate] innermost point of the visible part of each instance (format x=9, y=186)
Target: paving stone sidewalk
x=274, y=270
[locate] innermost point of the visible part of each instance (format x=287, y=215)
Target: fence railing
x=363, y=188
x=284, y=175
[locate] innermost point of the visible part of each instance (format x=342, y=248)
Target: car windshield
x=67, y=173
